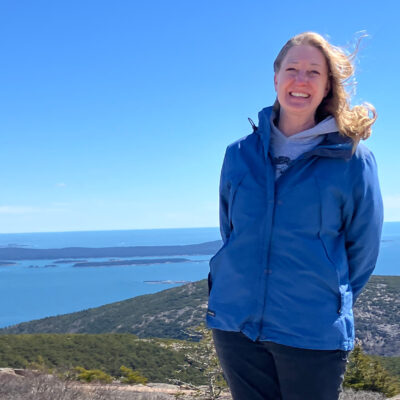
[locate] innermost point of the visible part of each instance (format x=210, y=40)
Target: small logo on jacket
x=211, y=313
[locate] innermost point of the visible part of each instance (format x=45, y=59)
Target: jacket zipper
x=266, y=242
x=271, y=189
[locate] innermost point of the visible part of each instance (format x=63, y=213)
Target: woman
x=301, y=218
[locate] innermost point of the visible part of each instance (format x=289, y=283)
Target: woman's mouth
x=299, y=94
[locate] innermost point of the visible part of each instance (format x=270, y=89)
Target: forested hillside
x=157, y=360
x=168, y=314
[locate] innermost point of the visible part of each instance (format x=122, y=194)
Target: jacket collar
x=334, y=144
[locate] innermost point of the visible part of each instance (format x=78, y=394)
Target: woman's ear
x=328, y=87
x=275, y=82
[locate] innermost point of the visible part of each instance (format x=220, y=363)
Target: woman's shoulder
x=363, y=152
x=362, y=166
x=241, y=154
x=363, y=157
x=246, y=147
x=245, y=141
x=255, y=138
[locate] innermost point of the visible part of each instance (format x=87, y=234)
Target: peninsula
x=18, y=253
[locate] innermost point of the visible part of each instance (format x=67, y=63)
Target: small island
x=116, y=263
x=167, y=282
x=7, y=263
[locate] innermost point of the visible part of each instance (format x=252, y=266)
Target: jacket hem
x=310, y=344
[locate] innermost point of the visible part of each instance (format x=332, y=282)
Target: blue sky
x=116, y=114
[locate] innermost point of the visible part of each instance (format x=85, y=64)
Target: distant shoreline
x=167, y=282
x=18, y=253
x=90, y=264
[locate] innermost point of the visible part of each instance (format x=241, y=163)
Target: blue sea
x=35, y=289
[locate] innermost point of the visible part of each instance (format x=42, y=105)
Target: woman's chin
x=299, y=109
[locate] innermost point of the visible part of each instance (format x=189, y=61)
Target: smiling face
x=301, y=82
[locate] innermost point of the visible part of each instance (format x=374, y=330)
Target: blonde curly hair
x=354, y=122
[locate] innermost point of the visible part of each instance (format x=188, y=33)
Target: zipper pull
x=253, y=125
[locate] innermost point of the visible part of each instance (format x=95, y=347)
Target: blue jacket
x=297, y=251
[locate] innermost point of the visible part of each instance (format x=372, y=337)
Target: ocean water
x=121, y=238
x=38, y=288
x=35, y=289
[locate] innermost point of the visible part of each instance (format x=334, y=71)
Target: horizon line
x=129, y=229
x=114, y=230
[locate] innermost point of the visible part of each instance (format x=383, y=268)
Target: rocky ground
x=376, y=317
x=30, y=385
x=18, y=384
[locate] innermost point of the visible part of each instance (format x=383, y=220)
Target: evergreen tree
x=366, y=373
x=131, y=376
x=92, y=375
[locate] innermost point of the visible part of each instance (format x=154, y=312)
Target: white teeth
x=297, y=94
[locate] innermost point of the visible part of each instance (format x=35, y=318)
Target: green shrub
x=92, y=375
x=131, y=376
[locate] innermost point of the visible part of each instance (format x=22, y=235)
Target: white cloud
x=17, y=210
x=21, y=210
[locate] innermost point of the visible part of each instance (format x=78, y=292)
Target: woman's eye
x=290, y=69
x=315, y=72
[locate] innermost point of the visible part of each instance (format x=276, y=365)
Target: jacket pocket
x=331, y=239
x=233, y=185
x=344, y=289
x=212, y=264
x=336, y=274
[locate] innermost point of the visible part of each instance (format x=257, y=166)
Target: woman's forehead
x=308, y=53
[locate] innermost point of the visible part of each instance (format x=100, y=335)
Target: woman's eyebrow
x=297, y=62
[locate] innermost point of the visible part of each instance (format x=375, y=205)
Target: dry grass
x=350, y=394
x=39, y=386
x=34, y=386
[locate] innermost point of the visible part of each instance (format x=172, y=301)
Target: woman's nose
x=301, y=77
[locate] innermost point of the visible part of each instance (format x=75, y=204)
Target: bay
x=35, y=289
x=38, y=288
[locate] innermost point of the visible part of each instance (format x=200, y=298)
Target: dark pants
x=269, y=371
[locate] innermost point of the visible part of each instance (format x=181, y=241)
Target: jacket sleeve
x=363, y=224
x=224, y=224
